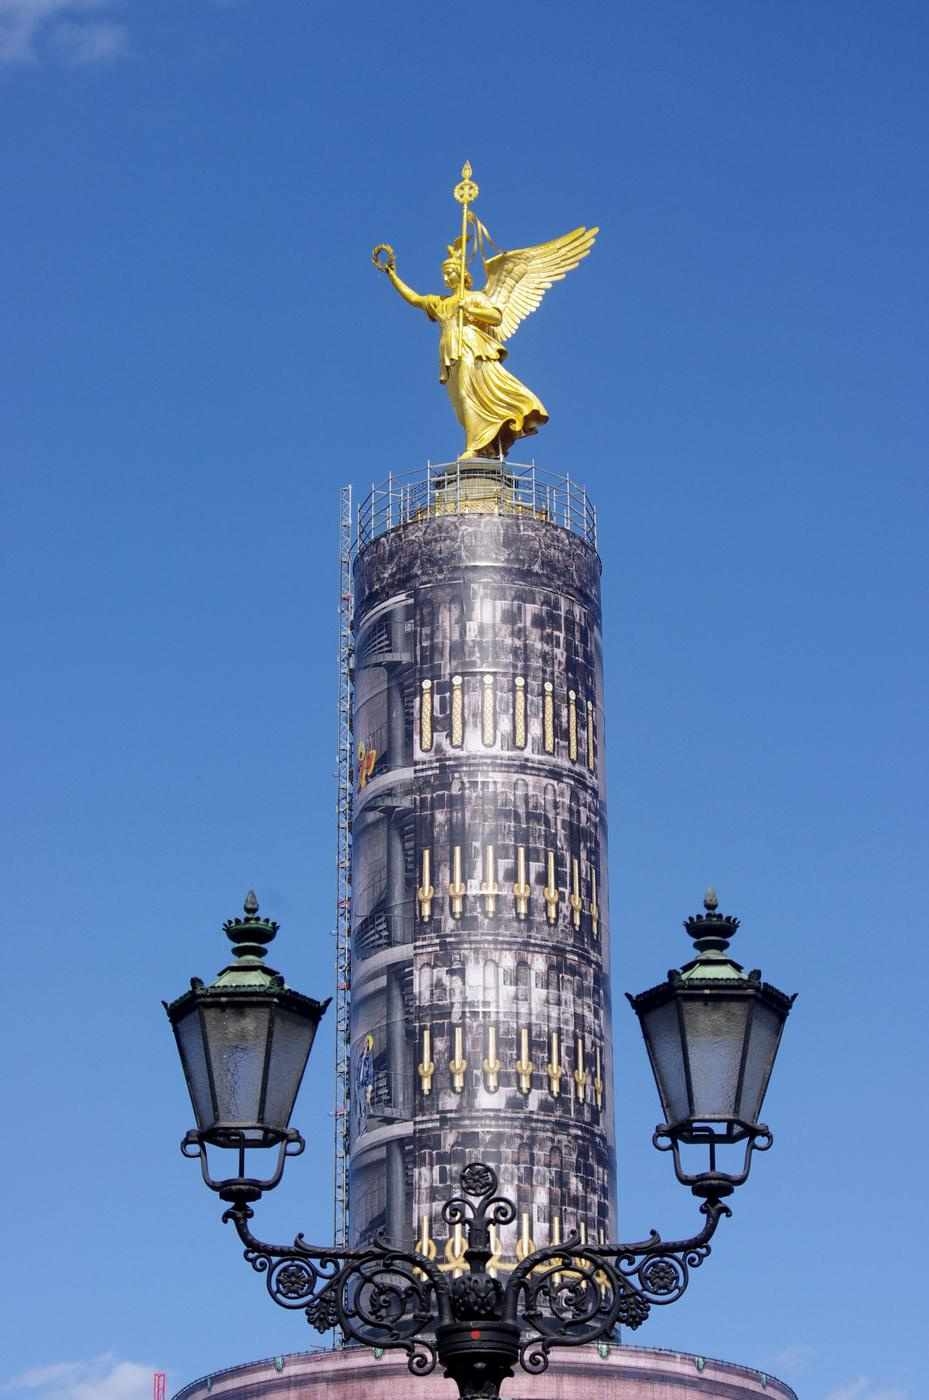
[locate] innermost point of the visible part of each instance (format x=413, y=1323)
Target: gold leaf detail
x=457, y=713
x=519, y=713
x=548, y=718
x=425, y=717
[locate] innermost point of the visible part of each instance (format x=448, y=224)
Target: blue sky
x=195, y=352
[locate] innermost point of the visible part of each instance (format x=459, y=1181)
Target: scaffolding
x=343, y=955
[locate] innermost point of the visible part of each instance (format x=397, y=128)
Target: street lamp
x=244, y=1042
x=712, y=1034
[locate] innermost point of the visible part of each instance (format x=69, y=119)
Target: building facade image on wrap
x=480, y=991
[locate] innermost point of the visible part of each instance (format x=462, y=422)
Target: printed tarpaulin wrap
x=480, y=918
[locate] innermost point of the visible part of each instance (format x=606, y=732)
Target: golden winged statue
x=491, y=404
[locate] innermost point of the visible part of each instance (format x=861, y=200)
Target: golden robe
x=490, y=403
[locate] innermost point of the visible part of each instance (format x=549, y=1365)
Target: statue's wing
x=517, y=281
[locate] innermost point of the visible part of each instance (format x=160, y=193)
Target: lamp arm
x=574, y=1293
x=713, y=1209
x=379, y=1295
x=563, y=1295
x=624, y=1254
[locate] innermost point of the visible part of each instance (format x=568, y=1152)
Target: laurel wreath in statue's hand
x=389, y=263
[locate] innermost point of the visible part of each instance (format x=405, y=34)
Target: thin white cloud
x=793, y=1360
x=861, y=1389
x=104, y=1378
x=99, y=42
x=31, y=29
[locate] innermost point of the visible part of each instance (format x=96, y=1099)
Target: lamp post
x=712, y=1034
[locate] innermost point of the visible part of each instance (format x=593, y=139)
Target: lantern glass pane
x=767, y=1023
x=237, y=1033
x=714, y=1029
x=189, y=1033
x=662, y=1031
x=292, y=1037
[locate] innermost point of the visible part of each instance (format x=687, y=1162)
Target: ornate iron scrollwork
x=477, y=1325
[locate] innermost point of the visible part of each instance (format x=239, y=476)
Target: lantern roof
x=711, y=933
x=249, y=937
x=712, y=967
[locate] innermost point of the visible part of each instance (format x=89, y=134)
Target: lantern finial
x=251, y=935
x=711, y=932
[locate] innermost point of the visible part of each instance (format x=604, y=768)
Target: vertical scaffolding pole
x=344, y=778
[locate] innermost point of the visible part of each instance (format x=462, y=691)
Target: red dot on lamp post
x=475, y=1336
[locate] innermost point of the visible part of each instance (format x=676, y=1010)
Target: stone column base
x=623, y=1373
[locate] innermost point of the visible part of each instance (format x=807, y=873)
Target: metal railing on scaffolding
x=479, y=486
